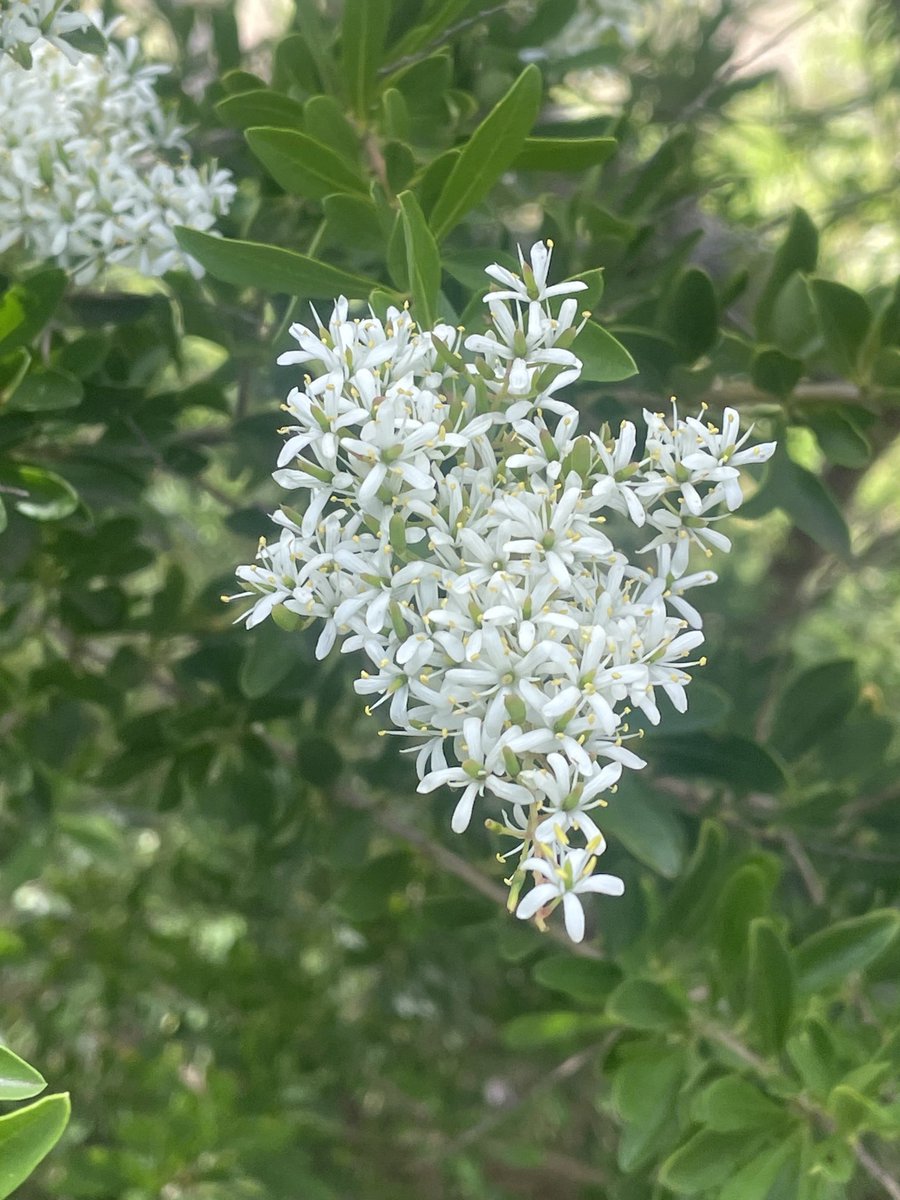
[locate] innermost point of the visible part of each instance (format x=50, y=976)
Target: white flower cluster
x=453, y=529
x=25, y=22
x=85, y=176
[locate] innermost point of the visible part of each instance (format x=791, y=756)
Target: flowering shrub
x=25, y=23
x=90, y=182
x=455, y=531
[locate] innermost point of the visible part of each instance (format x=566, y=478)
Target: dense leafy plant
x=259, y=959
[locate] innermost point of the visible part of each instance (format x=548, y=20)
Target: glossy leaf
x=605, y=358
x=26, y=307
x=18, y=1080
x=27, y=1136
x=563, y=154
x=489, y=152
x=252, y=264
x=38, y=493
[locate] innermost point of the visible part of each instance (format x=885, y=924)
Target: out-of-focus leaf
x=646, y=827
x=563, y=154
x=806, y=500
x=744, y=896
x=755, y=1180
x=839, y=438
x=531, y=1030
x=38, y=493
x=296, y=64
x=813, y=706
x=644, y=1092
x=731, y=1104
x=581, y=979
x=253, y=264
x=770, y=983
x=27, y=306
x=324, y=120
x=46, y=389
x=27, y=1136
x=642, y=1004
x=301, y=165
x=704, y=1162
x=828, y=957
x=490, y=150
x=775, y=372
x=692, y=892
x=367, y=893
x=605, y=358
x=729, y=757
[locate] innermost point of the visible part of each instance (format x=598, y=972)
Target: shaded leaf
x=770, y=985
x=422, y=259
x=641, y=1004
x=826, y=958
x=813, y=706
x=798, y=252
x=581, y=979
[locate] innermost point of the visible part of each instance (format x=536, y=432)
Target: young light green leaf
x=27, y=306
x=490, y=151
x=363, y=31
x=563, y=154
x=423, y=260
x=770, y=983
x=18, y=1080
x=301, y=165
x=253, y=264
x=27, y=1136
x=829, y=956
x=605, y=358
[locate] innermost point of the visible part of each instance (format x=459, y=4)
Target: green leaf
x=489, y=152
x=88, y=39
x=692, y=893
x=708, y=708
x=646, y=827
x=731, y=1104
x=745, y=895
x=590, y=298
x=690, y=315
x=45, y=389
x=324, y=120
x=301, y=165
x=270, y=655
x=252, y=264
x=530, y=1030
x=582, y=979
x=844, y=317
x=729, y=757
x=855, y=1113
x=295, y=63
x=839, y=438
x=605, y=358
x=813, y=706
x=704, y=1162
x=642, y=1004
x=260, y=107
x=775, y=372
x=446, y=14
x=810, y=505
x=38, y=493
x=18, y=1080
x=644, y=1093
x=755, y=1180
x=423, y=261
x=353, y=220
x=798, y=252
x=27, y=306
x=563, y=154
x=793, y=326
x=363, y=30
x=770, y=983
x=27, y=1136
x=367, y=893
x=829, y=956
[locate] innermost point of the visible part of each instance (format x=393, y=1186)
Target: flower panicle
x=456, y=529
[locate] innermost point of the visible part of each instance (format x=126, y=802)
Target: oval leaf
x=828, y=957
x=605, y=359
x=18, y=1080
x=27, y=1136
x=301, y=165
x=770, y=983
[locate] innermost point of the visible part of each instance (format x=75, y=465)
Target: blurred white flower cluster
x=23, y=23
x=93, y=173
x=453, y=527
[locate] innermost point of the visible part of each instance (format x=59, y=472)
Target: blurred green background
x=261, y=964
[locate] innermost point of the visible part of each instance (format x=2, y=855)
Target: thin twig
x=441, y=38
x=807, y=871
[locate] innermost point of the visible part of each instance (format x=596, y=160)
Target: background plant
x=229, y=924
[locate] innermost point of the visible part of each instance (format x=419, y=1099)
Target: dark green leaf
x=775, y=372
x=646, y=827
x=813, y=706
x=324, y=120
x=755, y=1180
x=27, y=1136
x=708, y=707
x=26, y=307
x=690, y=315
x=641, y=1004
x=252, y=264
x=38, y=493
x=793, y=326
x=840, y=439
x=445, y=14
x=581, y=979
x=729, y=757
x=770, y=983
x=605, y=358
x=489, y=152
x=693, y=890
x=367, y=894
x=422, y=259
x=798, y=252
x=845, y=318
x=644, y=1093
x=563, y=154
x=828, y=957
x=301, y=165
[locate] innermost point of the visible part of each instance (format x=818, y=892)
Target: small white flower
x=567, y=878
